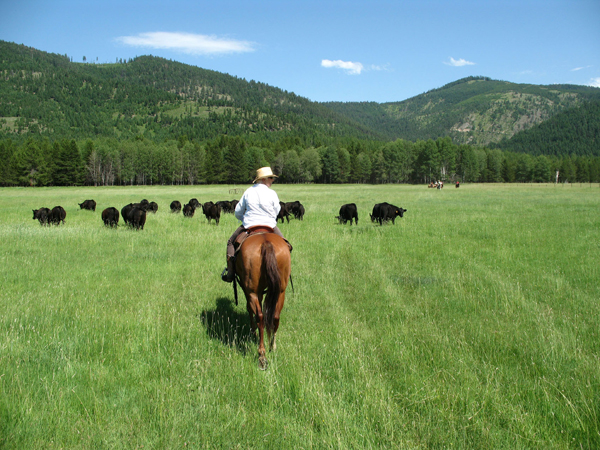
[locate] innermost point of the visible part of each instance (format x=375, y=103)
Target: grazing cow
x=144, y=204
x=382, y=212
x=88, y=204
x=57, y=215
x=41, y=215
x=226, y=206
x=299, y=212
x=348, y=212
x=188, y=210
x=283, y=212
x=296, y=208
x=153, y=207
x=137, y=218
x=233, y=205
x=211, y=211
x=125, y=212
x=110, y=217
x=175, y=206
x=194, y=203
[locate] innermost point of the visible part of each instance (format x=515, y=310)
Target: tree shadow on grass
x=229, y=326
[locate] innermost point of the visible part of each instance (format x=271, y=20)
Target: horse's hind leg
x=262, y=360
x=255, y=310
x=250, y=306
x=273, y=332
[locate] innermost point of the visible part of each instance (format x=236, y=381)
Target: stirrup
x=226, y=277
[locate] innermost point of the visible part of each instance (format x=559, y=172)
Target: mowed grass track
x=473, y=322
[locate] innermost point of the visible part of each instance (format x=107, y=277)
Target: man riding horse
x=258, y=206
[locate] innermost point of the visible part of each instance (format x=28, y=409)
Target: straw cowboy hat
x=264, y=172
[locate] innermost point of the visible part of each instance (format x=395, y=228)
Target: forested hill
x=474, y=110
x=575, y=131
x=47, y=94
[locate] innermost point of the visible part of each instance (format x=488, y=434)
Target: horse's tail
x=273, y=282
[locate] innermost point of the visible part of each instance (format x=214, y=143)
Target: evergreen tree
x=363, y=167
x=235, y=163
x=213, y=163
x=28, y=164
x=7, y=175
x=68, y=164
x=524, y=168
x=254, y=159
x=330, y=165
x=345, y=164
x=541, y=170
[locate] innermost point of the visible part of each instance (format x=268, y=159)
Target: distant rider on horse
x=258, y=206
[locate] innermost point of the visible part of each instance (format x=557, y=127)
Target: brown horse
x=263, y=265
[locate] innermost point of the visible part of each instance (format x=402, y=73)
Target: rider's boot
x=228, y=273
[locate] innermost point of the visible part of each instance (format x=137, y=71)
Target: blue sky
x=328, y=50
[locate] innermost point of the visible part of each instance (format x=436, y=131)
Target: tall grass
x=470, y=323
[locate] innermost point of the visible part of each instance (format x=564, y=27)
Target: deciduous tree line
x=232, y=160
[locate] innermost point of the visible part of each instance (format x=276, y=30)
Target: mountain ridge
x=472, y=110
x=45, y=94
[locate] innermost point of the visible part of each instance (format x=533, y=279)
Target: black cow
x=175, y=206
x=41, y=215
x=211, y=211
x=299, y=211
x=382, y=212
x=283, y=212
x=194, y=203
x=125, y=210
x=188, y=210
x=226, y=206
x=88, y=204
x=137, y=218
x=110, y=217
x=347, y=213
x=152, y=207
x=57, y=215
x=144, y=204
x=296, y=208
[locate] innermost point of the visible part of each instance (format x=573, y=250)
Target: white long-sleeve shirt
x=258, y=206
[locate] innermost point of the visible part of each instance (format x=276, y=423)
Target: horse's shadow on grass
x=229, y=326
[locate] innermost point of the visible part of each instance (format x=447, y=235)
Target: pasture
x=473, y=322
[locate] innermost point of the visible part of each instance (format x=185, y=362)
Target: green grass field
x=473, y=322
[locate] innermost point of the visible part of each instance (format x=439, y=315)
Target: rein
x=235, y=277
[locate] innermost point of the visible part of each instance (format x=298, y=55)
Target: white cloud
x=459, y=62
x=385, y=67
x=194, y=44
x=594, y=82
x=580, y=68
x=353, y=68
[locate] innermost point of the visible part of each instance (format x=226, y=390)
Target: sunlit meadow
x=472, y=322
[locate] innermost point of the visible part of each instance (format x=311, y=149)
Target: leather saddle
x=245, y=234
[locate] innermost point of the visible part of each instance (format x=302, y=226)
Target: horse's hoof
x=262, y=363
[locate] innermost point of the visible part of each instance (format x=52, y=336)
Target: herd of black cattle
x=134, y=214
